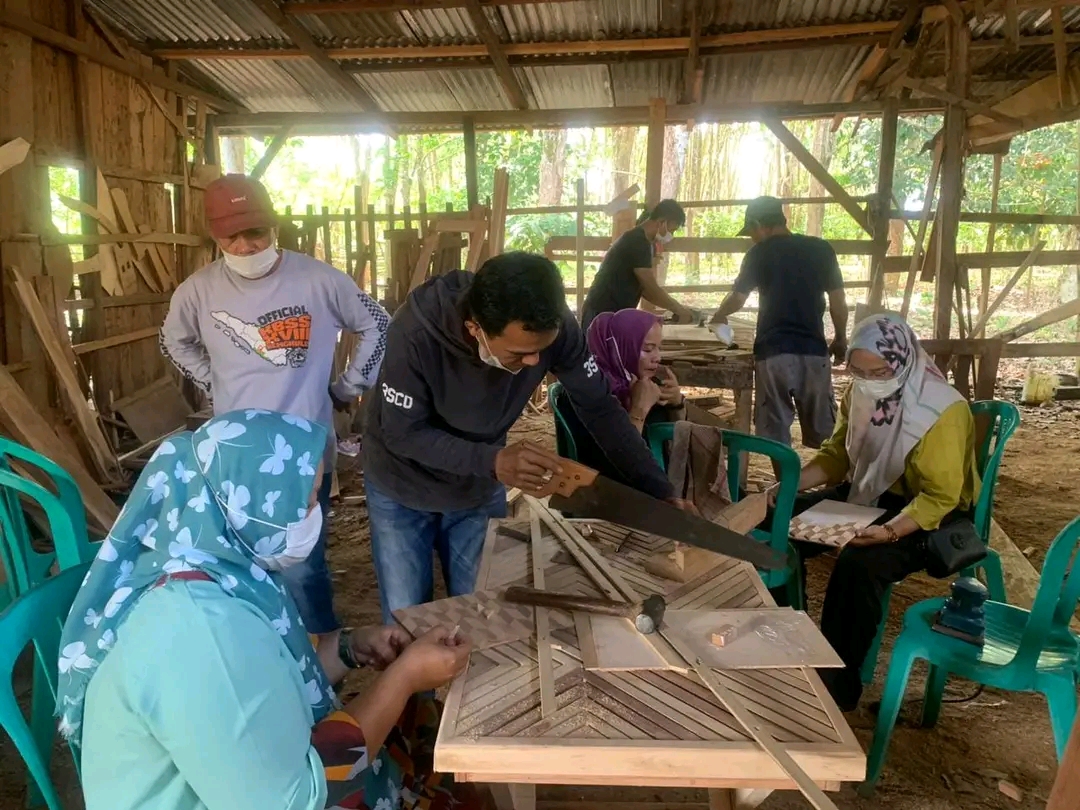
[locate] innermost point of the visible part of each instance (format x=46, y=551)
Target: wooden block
x=619, y=647
x=724, y=635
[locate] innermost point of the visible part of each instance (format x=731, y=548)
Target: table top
x=656, y=728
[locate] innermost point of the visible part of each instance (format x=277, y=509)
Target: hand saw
x=583, y=492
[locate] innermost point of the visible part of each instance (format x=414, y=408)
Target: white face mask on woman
x=877, y=389
x=300, y=539
x=254, y=266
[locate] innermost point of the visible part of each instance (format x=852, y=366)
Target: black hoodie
x=440, y=414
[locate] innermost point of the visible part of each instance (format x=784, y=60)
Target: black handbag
x=952, y=547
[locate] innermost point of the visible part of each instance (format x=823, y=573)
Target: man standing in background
x=626, y=274
x=793, y=274
x=257, y=329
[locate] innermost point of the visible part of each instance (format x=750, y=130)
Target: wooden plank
x=819, y=172
x=738, y=710
x=654, y=151
x=23, y=422
x=984, y=317
x=68, y=381
x=543, y=629
x=142, y=250
x=472, y=187
x=13, y=153
x=497, y=53
x=499, y=199
x=115, y=340
x=420, y=272
x=1048, y=318
x=56, y=39
x=154, y=411
x=883, y=204
x=184, y=239
x=281, y=137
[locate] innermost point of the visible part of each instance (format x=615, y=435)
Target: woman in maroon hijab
x=626, y=347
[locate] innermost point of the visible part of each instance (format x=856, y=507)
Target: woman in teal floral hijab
x=187, y=679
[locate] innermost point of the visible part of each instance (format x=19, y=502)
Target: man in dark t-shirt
x=626, y=274
x=793, y=274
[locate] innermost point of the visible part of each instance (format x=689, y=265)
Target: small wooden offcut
x=521, y=716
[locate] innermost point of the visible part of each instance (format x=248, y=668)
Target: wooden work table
x=699, y=360
x=530, y=712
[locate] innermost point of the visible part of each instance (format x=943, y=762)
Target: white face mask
x=667, y=237
x=877, y=389
x=300, y=538
x=254, y=266
x=487, y=357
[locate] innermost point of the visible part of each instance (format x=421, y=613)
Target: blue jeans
x=403, y=541
x=309, y=581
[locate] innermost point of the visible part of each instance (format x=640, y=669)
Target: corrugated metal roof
x=555, y=88
x=814, y=75
x=189, y=20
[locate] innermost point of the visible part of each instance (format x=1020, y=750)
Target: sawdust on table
x=958, y=765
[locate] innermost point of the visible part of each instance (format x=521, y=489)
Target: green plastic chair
x=36, y=616
x=564, y=439
x=1004, y=420
x=737, y=444
x=1025, y=651
x=64, y=510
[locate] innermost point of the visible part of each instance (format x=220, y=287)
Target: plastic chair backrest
x=1004, y=418
x=737, y=444
x=564, y=439
x=64, y=511
x=1057, y=596
x=37, y=617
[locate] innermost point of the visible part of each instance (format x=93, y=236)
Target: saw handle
x=519, y=595
x=573, y=476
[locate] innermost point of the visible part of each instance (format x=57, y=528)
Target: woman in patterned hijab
x=904, y=442
x=187, y=679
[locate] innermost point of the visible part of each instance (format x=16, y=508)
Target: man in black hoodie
x=463, y=356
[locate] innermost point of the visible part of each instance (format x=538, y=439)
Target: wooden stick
x=115, y=340
x=1048, y=318
x=984, y=317
x=543, y=627
x=815, y=795
x=924, y=220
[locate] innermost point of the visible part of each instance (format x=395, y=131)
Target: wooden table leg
x=744, y=412
x=732, y=799
x=514, y=797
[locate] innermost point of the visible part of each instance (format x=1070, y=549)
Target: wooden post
x=472, y=187
x=373, y=238
x=579, y=245
x=327, y=236
x=654, y=151
x=952, y=180
x=880, y=220
x=1066, y=792
x=991, y=232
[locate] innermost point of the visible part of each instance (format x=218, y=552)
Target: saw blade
x=608, y=500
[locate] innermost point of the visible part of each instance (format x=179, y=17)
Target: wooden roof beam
x=496, y=52
x=1061, y=55
x=63, y=42
x=366, y=6
x=692, y=80
x=910, y=19
x=309, y=48
x=967, y=104
x=333, y=123
x=584, y=47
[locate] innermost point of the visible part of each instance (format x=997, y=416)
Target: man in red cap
x=257, y=329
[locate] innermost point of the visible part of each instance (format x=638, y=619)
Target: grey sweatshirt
x=270, y=342
x=441, y=416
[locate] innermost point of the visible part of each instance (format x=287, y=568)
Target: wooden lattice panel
x=481, y=617
x=644, y=727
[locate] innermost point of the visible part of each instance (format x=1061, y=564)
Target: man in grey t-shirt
x=258, y=328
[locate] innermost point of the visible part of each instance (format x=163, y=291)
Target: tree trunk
x=232, y=154
x=896, y=245
x=675, y=140
x=552, y=164
x=623, y=158
x=405, y=168
x=822, y=149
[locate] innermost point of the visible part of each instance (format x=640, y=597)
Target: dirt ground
x=977, y=745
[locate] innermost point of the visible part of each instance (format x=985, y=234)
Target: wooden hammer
x=646, y=614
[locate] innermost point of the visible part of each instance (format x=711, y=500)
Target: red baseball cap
x=237, y=203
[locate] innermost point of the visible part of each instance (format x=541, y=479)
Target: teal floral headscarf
x=209, y=501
